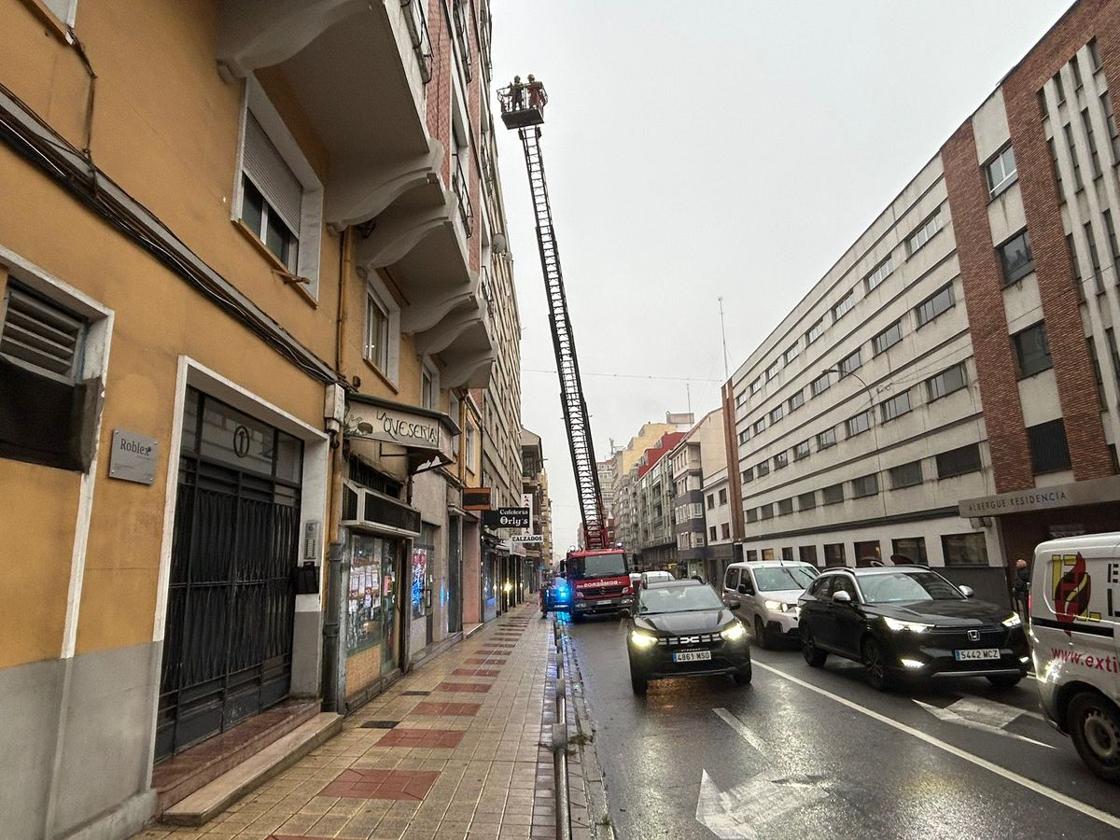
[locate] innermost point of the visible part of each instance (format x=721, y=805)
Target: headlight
x=912, y=626
x=778, y=606
x=1012, y=620
x=642, y=639
x=734, y=632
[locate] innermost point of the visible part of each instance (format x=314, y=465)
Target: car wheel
x=875, y=666
x=742, y=677
x=1094, y=724
x=760, y=634
x=638, y=682
x=1004, y=680
x=809, y=650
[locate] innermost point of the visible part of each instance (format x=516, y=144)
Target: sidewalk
x=450, y=752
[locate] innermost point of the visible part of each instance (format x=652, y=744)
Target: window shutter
x=272, y=176
x=41, y=336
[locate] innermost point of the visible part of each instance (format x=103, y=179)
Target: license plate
x=692, y=655
x=978, y=653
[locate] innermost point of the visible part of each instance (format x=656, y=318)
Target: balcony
x=461, y=338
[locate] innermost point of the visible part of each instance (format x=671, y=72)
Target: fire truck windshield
x=597, y=565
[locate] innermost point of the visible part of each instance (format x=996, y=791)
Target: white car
x=656, y=577
x=1075, y=643
x=765, y=593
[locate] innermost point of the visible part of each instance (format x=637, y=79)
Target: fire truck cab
x=599, y=581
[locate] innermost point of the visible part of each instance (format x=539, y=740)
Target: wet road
x=807, y=752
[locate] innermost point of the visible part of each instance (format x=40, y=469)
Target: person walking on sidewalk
x=1021, y=587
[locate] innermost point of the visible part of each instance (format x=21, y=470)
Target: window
x=934, y=305
x=832, y=494
x=849, y=364
x=429, y=390
x=834, y=554
x=814, y=332
x=377, y=332
x=785, y=507
x=1094, y=154
x=895, y=406
x=906, y=475
x=965, y=549
x=1077, y=182
x=911, y=549
x=790, y=354
x=796, y=401
x=1076, y=68
x=807, y=501
x=752, y=514
x=867, y=485
x=712, y=532
x=472, y=461
x=772, y=371
x=725, y=531
x=759, y=425
x=1110, y=121
x=843, y=306
x=887, y=338
x=1110, y=337
x=723, y=495
x=947, y=382
x=1055, y=166
x=1059, y=88
x=866, y=552
x=756, y=386
x=740, y=399
x=1049, y=448
x=762, y=469
x=748, y=475
x=1042, y=108
x=1094, y=258
x=1001, y=171
x=731, y=579
x=924, y=233
x=821, y=384
x=808, y=554
x=826, y=439
x=744, y=436
x=1016, y=258
x=775, y=414
x=879, y=273
x=1094, y=55
x=766, y=511
x=1110, y=228
x=1075, y=267
x=1032, y=350
x=781, y=460
x=711, y=501
x=453, y=409
x=859, y=424
x=767, y=554
x=801, y=450
x=955, y=462
x=752, y=554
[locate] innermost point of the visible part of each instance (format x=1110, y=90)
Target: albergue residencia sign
x=1043, y=498
x=404, y=428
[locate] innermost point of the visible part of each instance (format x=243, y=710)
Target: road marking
x=742, y=729
x=974, y=716
x=741, y=812
x=1011, y=776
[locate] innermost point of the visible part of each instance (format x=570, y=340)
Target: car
x=909, y=621
x=1074, y=616
x=766, y=593
x=680, y=629
x=557, y=596
x=656, y=577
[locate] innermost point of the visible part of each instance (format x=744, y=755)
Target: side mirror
x=742, y=589
x=966, y=591
x=734, y=606
x=841, y=597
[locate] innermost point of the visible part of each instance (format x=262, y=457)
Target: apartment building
x=717, y=521
x=647, y=491
x=699, y=453
x=947, y=391
x=538, y=555
x=245, y=297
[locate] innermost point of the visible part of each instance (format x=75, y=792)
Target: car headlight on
x=642, y=639
x=779, y=606
x=1012, y=620
x=734, y=632
x=911, y=626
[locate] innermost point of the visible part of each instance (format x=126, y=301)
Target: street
x=807, y=752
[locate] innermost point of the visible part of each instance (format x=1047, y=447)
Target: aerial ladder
x=523, y=110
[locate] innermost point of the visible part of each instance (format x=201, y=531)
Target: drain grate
x=415, y=693
x=380, y=724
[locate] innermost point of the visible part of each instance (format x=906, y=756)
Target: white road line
x=1023, y=781
x=742, y=729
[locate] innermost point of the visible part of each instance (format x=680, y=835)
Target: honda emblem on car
x=974, y=635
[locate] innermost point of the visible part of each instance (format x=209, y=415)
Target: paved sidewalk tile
x=410, y=765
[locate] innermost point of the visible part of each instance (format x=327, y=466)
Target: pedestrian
x=1021, y=587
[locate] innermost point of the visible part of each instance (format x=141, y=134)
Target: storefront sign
x=1091, y=492
x=529, y=539
x=506, y=518
x=404, y=428
x=476, y=498
x=133, y=457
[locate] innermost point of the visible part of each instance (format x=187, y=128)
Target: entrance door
x=227, y=650
x=454, y=574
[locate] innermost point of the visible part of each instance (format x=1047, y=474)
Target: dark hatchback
x=909, y=621
x=682, y=629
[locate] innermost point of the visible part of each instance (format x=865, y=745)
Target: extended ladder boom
x=526, y=117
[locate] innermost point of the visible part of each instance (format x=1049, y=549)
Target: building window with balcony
x=826, y=439
x=895, y=406
x=796, y=401
x=801, y=450
x=1049, y=447
x=925, y=232
x=821, y=384
x=965, y=459
x=785, y=507
x=940, y=301
x=807, y=501
x=867, y=485
x=814, y=332
x=844, y=306
x=1001, y=171
x=278, y=198
x=781, y=460
x=906, y=475
x=833, y=494
x=947, y=382
x=887, y=338
x=850, y=364
x=1016, y=258
x=461, y=13
x=1032, y=350
x=860, y=423
x=879, y=273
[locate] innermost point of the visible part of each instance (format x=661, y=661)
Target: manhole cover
x=380, y=724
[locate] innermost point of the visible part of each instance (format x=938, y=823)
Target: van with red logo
x=1075, y=643
x=600, y=581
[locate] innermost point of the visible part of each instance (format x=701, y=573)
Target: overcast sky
x=717, y=148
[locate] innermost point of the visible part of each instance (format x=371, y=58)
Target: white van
x=1075, y=643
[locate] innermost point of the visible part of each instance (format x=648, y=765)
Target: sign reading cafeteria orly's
x=404, y=428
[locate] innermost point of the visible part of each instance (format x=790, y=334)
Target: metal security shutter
x=272, y=176
x=42, y=336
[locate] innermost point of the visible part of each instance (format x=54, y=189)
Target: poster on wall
x=419, y=576
x=364, y=599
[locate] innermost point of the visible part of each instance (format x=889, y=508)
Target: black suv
x=681, y=628
x=910, y=621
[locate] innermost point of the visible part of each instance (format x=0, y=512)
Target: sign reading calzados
x=415, y=431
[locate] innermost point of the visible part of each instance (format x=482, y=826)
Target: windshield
x=907, y=586
x=671, y=599
x=785, y=577
x=598, y=565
